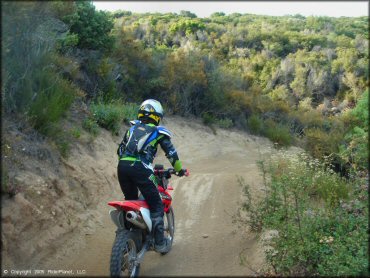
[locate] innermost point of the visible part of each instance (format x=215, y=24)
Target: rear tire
x=169, y=226
x=124, y=251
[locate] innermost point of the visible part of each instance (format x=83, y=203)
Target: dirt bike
x=134, y=235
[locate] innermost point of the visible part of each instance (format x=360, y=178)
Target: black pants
x=133, y=176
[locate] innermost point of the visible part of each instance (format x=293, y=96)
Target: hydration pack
x=137, y=140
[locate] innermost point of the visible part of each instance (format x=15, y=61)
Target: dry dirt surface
x=206, y=242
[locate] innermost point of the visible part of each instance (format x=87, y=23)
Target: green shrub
x=108, y=116
x=76, y=132
x=91, y=126
x=111, y=115
x=129, y=111
x=224, y=123
x=63, y=145
x=255, y=124
x=320, y=143
x=67, y=43
x=320, y=218
x=208, y=119
x=309, y=119
x=355, y=148
x=52, y=97
x=277, y=133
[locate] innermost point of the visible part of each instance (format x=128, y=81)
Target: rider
x=136, y=154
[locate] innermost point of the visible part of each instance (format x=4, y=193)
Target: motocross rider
x=136, y=154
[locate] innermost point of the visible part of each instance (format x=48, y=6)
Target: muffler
x=135, y=219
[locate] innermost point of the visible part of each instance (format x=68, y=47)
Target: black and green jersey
x=141, y=141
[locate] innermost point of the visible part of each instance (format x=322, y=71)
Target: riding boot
x=161, y=244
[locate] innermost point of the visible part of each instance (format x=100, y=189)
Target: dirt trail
x=206, y=241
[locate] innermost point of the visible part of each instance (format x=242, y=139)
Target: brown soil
x=59, y=219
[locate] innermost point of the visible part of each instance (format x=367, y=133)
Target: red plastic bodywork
x=129, y=205
x=137, y=204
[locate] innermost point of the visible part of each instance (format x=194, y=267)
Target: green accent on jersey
x=155, y=141
x=129, y=158
x=177, y=166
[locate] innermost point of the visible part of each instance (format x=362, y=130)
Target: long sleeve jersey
x=141, y=141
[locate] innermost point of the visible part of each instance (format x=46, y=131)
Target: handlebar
x=170, y=171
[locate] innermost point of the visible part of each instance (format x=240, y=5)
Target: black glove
x=181, y=172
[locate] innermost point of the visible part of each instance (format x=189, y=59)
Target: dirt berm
x=59, y=218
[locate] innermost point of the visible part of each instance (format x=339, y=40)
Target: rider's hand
x=181, y=173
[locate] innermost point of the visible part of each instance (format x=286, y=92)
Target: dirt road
x=206, y=241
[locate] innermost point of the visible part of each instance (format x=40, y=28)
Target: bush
x=320, y=143
x=111, y=115
x=129, y=111
x=67, y=43
x=321, y=219
x=52, y=97
x=91, y=126
x=224, y=123
x=208, y=119
x=76, y=132
x=309, y=119
x=255, y=124
x=277, y=133
x=355, y=149
x=28, y=34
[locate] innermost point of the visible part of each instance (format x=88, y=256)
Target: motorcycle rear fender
x=117, y=217
x=129, y=205
x=123, y=207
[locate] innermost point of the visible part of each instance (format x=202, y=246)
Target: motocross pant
x=133, y=176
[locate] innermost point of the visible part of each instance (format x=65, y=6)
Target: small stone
x=39, y=192
x=53, y=213
x=205, y=236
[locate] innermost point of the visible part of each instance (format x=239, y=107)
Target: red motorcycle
x=134, y=235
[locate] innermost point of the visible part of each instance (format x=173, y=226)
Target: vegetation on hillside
x=294, y=79
x=320, y=219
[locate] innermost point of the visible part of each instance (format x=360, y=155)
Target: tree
x=217, y=14
x=92, y=27
x=188, y=14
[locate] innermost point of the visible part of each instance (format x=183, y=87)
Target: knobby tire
x=126, y=245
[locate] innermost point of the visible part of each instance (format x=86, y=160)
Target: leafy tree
x=187, y=26
x=188, y=14
x=92, y=27
x=216, y=14
x=121, y=13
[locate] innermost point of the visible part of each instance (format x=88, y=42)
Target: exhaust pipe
x=135, y=219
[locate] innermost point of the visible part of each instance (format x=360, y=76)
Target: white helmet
x=151, y=109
